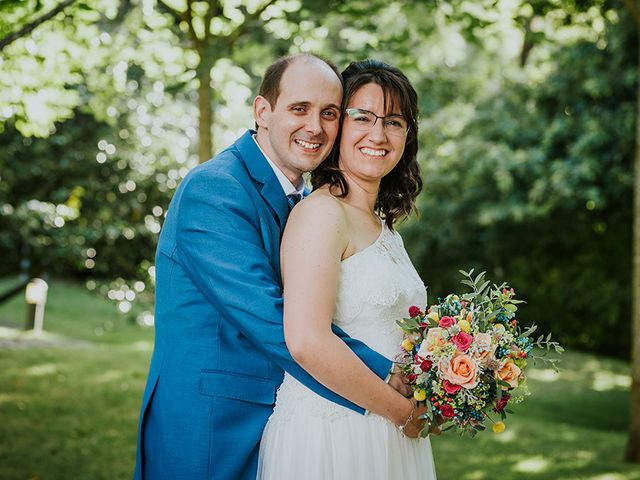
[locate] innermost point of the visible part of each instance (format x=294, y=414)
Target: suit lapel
x=261, y=171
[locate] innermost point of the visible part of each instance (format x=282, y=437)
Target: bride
x=343, y=263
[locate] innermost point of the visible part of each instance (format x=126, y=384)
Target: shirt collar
x=286, y=184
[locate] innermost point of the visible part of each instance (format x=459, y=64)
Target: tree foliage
x=527, y=134
x=534, y=183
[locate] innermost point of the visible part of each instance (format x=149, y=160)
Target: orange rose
x=510, y=372
x=460, y=371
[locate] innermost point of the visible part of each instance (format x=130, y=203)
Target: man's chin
x=309, y=161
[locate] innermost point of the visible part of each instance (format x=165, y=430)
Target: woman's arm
x=315, y=238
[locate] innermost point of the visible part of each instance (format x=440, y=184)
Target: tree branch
x=33, y=25
x=197, y=42
x=240, y=29
x=214, y=9
x=177, y=16
x=527, y=42
x=123, y=8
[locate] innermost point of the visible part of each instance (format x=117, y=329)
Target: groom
x=219, y=349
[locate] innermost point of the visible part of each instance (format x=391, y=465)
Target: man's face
x=300, y=130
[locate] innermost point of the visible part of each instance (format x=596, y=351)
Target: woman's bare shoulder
x=319, y=213
x=320, y=202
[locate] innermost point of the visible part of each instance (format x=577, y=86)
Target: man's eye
x=298, y=109
x=330, y=114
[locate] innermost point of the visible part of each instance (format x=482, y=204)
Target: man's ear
x=261, y=111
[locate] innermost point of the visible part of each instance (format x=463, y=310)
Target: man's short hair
x=270, y=85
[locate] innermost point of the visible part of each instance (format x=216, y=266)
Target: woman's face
x=369, y=152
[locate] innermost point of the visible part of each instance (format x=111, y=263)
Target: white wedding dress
x=309, y=437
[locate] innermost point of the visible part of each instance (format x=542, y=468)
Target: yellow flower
x=498, y=427
x=433, y=316
x=420, y=395
x=407, y=345
x=464, y=325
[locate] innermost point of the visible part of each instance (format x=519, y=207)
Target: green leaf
x=483, y=286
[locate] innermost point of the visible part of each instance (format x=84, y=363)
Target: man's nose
x=314, y=124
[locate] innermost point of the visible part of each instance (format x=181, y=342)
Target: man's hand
x=397, y=382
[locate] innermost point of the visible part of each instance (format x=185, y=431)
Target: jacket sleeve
x=219, y=244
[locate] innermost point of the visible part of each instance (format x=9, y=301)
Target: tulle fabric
x=349, y=446
x=308, y=437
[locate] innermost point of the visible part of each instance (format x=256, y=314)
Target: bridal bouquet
x=466, y=356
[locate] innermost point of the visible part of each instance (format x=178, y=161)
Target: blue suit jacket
x=219, y=343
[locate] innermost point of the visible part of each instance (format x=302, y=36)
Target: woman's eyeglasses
x=395, y=125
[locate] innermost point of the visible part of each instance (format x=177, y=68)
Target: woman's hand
x=415, y=423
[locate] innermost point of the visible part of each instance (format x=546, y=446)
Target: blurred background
x=527, y=143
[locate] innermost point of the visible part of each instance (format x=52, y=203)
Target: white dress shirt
x=286, y=184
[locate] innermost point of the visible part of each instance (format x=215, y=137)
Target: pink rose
x=446, y=322
x=450, y=387
x=510, y=372
x=415, y=311
x=462, y=341
x=447, y=411
x=460, y=370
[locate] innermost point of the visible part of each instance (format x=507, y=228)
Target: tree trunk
x=633, y=447
x=205, y=144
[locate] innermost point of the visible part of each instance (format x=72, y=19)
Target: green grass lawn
x=71, y=413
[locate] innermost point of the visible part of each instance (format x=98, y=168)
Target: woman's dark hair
x=400, y=187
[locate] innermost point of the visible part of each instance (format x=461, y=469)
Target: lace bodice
x=376, y=287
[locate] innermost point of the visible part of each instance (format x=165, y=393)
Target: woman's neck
x=362, y=195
